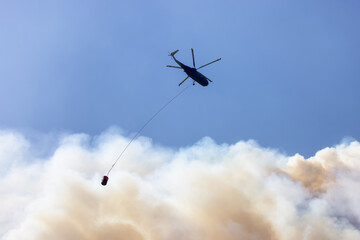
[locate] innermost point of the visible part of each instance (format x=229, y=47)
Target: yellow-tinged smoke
x=206, y=191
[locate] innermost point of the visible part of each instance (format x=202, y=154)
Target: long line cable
x=138, y=132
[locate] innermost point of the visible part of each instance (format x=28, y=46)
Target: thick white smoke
x=206, y=191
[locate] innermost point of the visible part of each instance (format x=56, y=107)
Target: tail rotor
x=173, y=53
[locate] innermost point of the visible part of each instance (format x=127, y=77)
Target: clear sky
x=289, y=76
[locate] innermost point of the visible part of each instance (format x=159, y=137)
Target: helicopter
x=192, y=72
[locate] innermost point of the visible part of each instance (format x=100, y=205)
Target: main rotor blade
x=192, y=53
x=209, y=63
x=183, y=80
x=173, y=66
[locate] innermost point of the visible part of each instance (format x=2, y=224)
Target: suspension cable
x=138, y=132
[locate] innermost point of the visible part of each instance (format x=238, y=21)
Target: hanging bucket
x=104, y=180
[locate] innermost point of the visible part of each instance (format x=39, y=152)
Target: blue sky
x=289, y=76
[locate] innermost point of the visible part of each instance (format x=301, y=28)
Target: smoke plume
x=205, y=191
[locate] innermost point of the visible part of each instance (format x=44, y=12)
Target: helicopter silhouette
x=192, y=72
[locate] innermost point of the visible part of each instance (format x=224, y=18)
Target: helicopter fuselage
x=193, y=73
